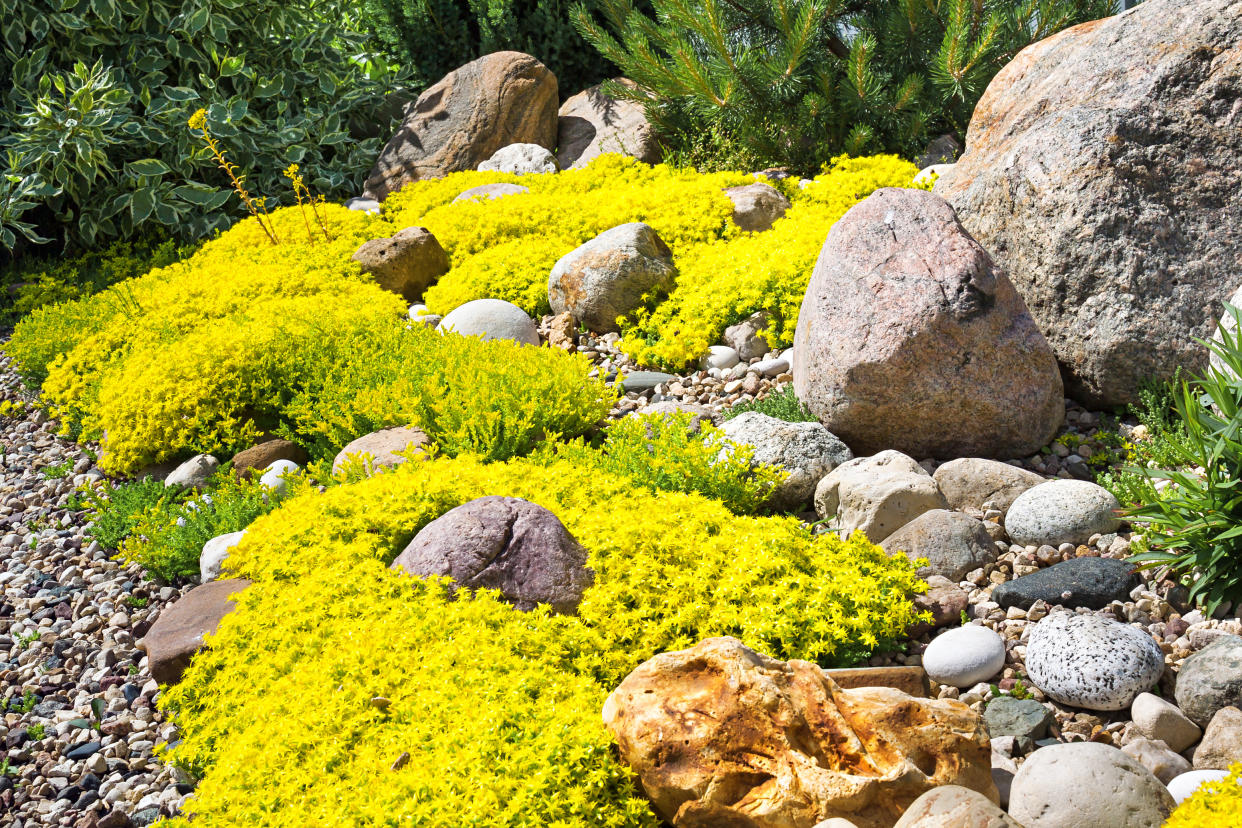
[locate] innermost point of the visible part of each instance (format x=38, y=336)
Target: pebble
x=964, y=656
x=1162, y=721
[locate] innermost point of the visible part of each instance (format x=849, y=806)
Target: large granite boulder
x=592, y=123
x=499, y=99
x=407, y=263
x=609, y=276
x=178, y=633
x=911, y=338
x=504, y=543
x=1103, y=169
x=970, y=482
x=721, y=735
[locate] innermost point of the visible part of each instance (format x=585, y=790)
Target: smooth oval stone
x=640, y=381
x=1061, y=511
x=1092, y=662
x=1087, y=784
x=1183, y=786
x=965, y=656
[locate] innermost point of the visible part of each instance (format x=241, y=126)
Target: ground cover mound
x=341, y=686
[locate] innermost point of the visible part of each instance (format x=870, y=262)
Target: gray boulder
x=808, y=451
x=491, y=319
x=1062, y=511
x=1211, y=680
x=407, y=263
x=1087, y=783
x=876, y=495
x=379, y=449
x=1102, y=167
x=592, y=123
x=970, y=482
x=756, y=207
x=911, y=338
x=459, y=122
x=952, y=542
x=1091, y=661
x=1078, y=582
x=747, y=337
x=609, y=276
x=490, y=192
x=193, y=473
x=520, y=159
x=507, y=544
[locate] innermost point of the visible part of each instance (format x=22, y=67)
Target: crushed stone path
x=70, y=620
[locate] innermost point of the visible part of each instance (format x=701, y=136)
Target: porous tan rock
x=499, y=99
x=910, y=337
x=178, y=633
x=756, y=207
x=876, y=495
x=407, y=263
x=593, y=123
x=380, y=449
x=1103, y=169
x=1222, y=741
x=721, y=735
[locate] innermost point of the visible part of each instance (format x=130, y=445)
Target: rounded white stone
x=491, y=319
x=214, y=553
x=965, y=656
x=719, y=357
x=1061, y=511
x=1091, y=661
x=274, y=475
x=1184, y=785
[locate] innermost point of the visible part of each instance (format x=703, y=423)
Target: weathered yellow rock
x=720, y=735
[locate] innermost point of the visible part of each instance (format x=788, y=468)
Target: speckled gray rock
x=698, y=414
x=1077, y=582
x=1061, y=511
x=504, y=543
x=491, y=319
x=952, y=543
x=970, y=482
x=193, y=473
x=610, y=275
x=1087, y=784
x=876, y=495
x=965, y=656
x=489, y=192
x=756, y=206
x=1157, y=758
x=520, y=159
x=808, y=451
x=1091, y=661
x=1211, y=679
x=215, y=551
x=1222, y=741
x=1162, y=721
x=952, y=806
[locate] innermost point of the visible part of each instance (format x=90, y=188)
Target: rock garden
x=617, y=455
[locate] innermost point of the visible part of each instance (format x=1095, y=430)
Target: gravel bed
x=70, y=620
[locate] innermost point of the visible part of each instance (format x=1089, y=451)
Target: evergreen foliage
x=799, y=80
x=434, y=37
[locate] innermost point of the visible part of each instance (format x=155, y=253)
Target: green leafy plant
x=36, y=732
x=136, y=601
x=57, y=471
x=100, y=144
x=801, y=80
x=1164, y=445
x=1194, y=523
x=115, y=510
x=25, y=704
x=783, y=405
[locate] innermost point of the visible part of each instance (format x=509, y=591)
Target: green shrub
x=1194, y=525
x=496, y=712
x=491, y=398
x=1163, y=446
x=105, y=147
x=434, y=37
x=783, y=405
x=116, y=509
x=35, y=282
x=801, y=82
x=661, y=453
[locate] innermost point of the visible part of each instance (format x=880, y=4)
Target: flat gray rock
x=953, y=543
x=1079, y=582
x=1091, y=661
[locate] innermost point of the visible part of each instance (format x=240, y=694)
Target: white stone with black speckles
x=1092, y=662
x=1061, y=511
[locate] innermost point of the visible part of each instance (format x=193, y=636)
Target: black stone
x=131, y=692
x=86, y=800
x=184, y=788
x=89, y=782
x=70, y=792
x=1079, y=582
x=83, y=751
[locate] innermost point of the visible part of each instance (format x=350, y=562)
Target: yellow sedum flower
x=1215, y=805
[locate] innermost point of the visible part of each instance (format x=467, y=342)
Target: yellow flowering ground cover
x=1215, y=805
x=340, y=687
